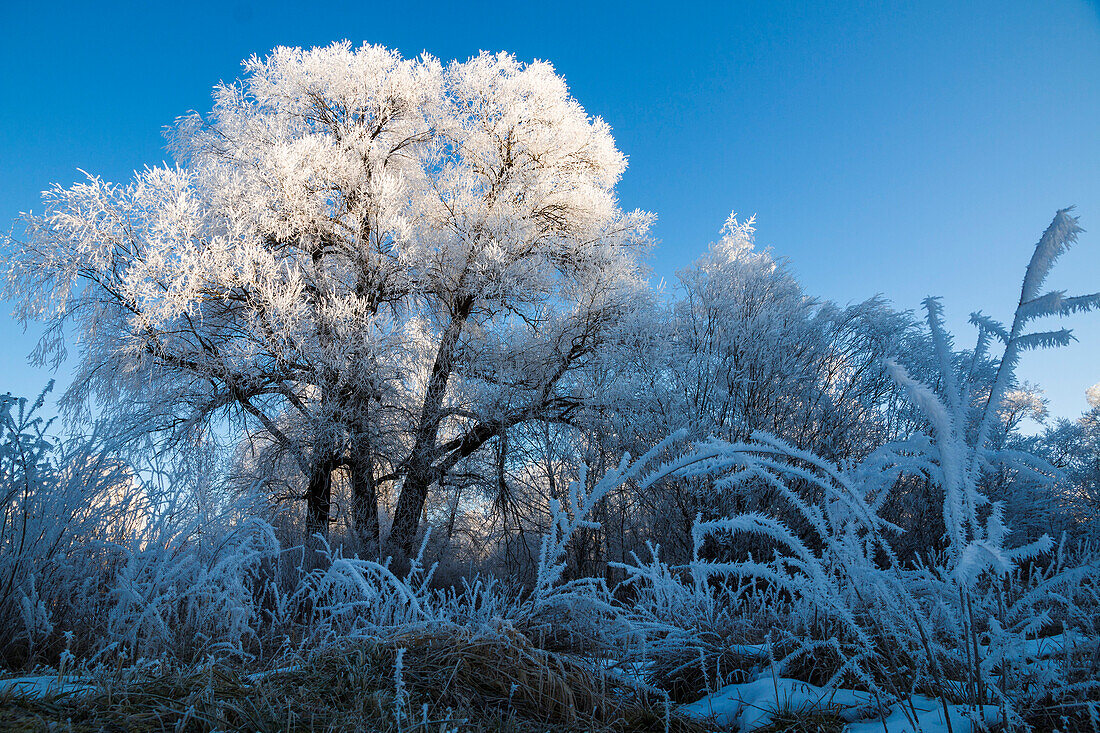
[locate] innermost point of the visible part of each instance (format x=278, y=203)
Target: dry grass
x=453, y=679
x=801, y=721
x=689, y=673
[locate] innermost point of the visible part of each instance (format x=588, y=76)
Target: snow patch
x=43, y=686
x=751, y=705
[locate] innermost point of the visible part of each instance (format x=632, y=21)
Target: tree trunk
x=319, y=496
x=364, y=496
x=419, y=475
x=410, y=505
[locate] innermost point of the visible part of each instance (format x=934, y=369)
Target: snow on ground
x=750, y=706
x=1038, y=648
x=40, y=686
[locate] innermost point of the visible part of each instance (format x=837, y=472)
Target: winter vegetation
x=377, y=423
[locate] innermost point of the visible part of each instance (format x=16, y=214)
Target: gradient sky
x=909, y=150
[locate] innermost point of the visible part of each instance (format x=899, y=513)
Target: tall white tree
x=374, y=262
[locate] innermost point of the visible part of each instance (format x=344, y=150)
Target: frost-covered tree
x=1073, y=447
x=750, y=350
x=743, y=348
x=1092, y=395
x=367, y=261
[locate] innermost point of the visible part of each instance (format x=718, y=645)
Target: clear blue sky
x=908, y=150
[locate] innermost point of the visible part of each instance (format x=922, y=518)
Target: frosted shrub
x=90, y=549
x=56, y=499
x=178, y=591
x=964, y=625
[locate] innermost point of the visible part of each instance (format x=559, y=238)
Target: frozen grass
x=216, y=625
x=449, y=680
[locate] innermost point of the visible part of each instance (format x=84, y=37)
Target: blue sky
x=909, y=150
